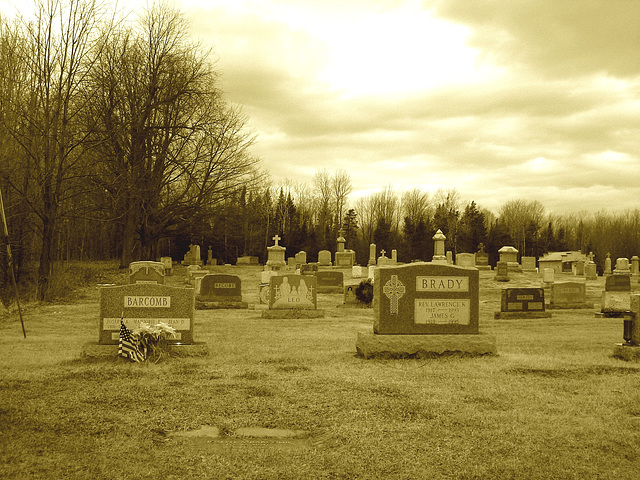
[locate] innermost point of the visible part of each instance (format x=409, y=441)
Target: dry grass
x=552, y=404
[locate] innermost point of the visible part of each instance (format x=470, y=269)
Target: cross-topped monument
x=275, y=255
x=394, y=289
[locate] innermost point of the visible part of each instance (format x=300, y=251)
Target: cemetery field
x=552, y=404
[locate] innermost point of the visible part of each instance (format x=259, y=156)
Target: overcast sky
x=502, y=99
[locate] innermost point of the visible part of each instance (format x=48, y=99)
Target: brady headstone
x=425, y=308
x=146, y=303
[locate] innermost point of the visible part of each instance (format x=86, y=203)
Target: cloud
x=564, y=38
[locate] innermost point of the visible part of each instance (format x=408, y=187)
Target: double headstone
x=569, y=295
x=522, y=303
x=146, y=303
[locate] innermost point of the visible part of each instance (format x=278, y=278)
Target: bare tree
x=170, y=147
x=341, y=183
x=58, y=52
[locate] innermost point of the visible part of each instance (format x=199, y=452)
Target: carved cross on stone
x=394, y=289
x=275, y=239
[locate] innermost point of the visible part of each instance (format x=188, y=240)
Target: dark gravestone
x=308, y=268
x=425, y=309
x=425, y=298
x=220, y=287
x=330, y=281
x=220, y=291
x=522, y=302
x=146, y=303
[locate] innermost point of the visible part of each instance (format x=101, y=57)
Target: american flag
x=127, y=348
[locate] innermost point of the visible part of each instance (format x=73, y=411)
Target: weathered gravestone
x=220, y=291
x=522, y=303
x=439, y=255
x=146, y=303
x=324, y=258
x=591, y=271
x=466, y=260
x=247, y=260
x=529, y=264
x=293, y=296
x=630, y=349
x=569, y=295
x=502, y=272
x=301, y=258
x=357, y=271
x=424, y=309
x=329, y=281
x=308, y=268
x=192, y=257
x=509, y=255
x=616, y=298
x=350, y=294
x=168, y=265
x=622, y=266
x=275, y=255
x=146, y=272
x=482, y=259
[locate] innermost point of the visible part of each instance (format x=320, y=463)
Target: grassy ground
x=552, y=404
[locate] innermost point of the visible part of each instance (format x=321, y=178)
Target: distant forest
x=117, y=143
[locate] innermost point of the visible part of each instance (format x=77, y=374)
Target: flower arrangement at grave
x=146, y=342
x=364, y=292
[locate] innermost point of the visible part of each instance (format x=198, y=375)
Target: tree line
x=117, y=142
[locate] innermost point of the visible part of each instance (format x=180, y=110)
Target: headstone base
x=227, y=304
x=292, y=313
x=371, y=345
x=522, y=315
x=501, y=278
x=483, y=267
x=570, y=306
x=95, y=350
x=630, y=353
